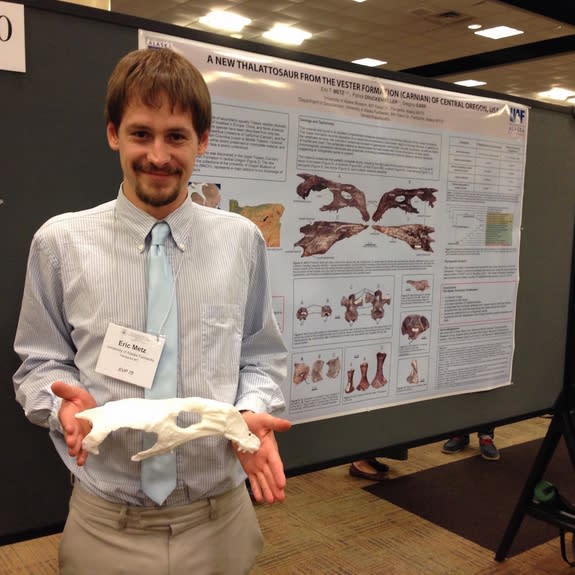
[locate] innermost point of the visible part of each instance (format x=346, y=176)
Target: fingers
x=266, y=474
x=81, y=457
x=267, y=490
x=75, y=448
x=275, y=488
x=264, y=487
x=256, y=491
x=278, y=474
x=74, y=429
x=272, y=479
x=74, y=438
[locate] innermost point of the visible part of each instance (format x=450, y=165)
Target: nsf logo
x=516, y=115
x=517, y=126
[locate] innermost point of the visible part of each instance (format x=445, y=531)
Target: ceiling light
x=470, y=83
x=474, y=26
x=359, y=1
x=557, y=94
x=499, y=32
x=371, y=62
x=286, y=35
x=225, y=21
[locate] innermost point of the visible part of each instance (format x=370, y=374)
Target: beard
x=153, y=196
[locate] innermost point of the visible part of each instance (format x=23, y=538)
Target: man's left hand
x=265, y=468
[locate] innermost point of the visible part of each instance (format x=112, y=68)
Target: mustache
x=149, y=167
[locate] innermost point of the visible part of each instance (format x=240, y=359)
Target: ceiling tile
x=407, y=33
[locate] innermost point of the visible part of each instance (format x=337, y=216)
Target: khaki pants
x=214, y=536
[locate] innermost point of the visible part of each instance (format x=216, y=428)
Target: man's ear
x=203, y=144
x=112, y=134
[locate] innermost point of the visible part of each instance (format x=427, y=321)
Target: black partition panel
x=55, y=159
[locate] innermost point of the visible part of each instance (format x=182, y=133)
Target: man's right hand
x=74, y=400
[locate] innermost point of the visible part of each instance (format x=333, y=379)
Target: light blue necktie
x=159, y=472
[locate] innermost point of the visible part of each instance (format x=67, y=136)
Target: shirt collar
x=140, y=222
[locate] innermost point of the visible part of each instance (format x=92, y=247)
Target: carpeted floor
x=475, y=498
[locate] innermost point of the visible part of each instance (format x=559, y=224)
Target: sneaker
x=488, y=449
x=455, y=444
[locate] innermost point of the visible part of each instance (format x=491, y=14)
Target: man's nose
x=159, y=153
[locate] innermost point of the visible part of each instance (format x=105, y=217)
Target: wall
x=55, y=159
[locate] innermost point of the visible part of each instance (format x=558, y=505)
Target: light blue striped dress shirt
x=88, y=269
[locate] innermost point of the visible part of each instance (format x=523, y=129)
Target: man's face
x=158, y=149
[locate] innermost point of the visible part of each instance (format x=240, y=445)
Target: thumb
x=77, y=395
x=279, y=424
x=64, y=390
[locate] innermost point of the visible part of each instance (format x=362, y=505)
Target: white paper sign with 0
x=12, y=37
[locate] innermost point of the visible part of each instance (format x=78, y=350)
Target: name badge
x=130, y=355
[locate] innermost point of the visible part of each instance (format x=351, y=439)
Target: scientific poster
x=392, y=216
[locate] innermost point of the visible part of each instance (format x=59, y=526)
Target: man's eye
x=140, y=134
x=176, y=137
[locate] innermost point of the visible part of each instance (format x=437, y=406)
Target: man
x=87, y=276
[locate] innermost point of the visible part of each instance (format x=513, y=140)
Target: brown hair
x=146, y=75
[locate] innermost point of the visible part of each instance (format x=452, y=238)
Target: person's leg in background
x=456, y=443
x=372, y=468
x=487, y=446
x=369, y=468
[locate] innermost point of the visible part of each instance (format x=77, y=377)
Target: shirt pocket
x=221, y=342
